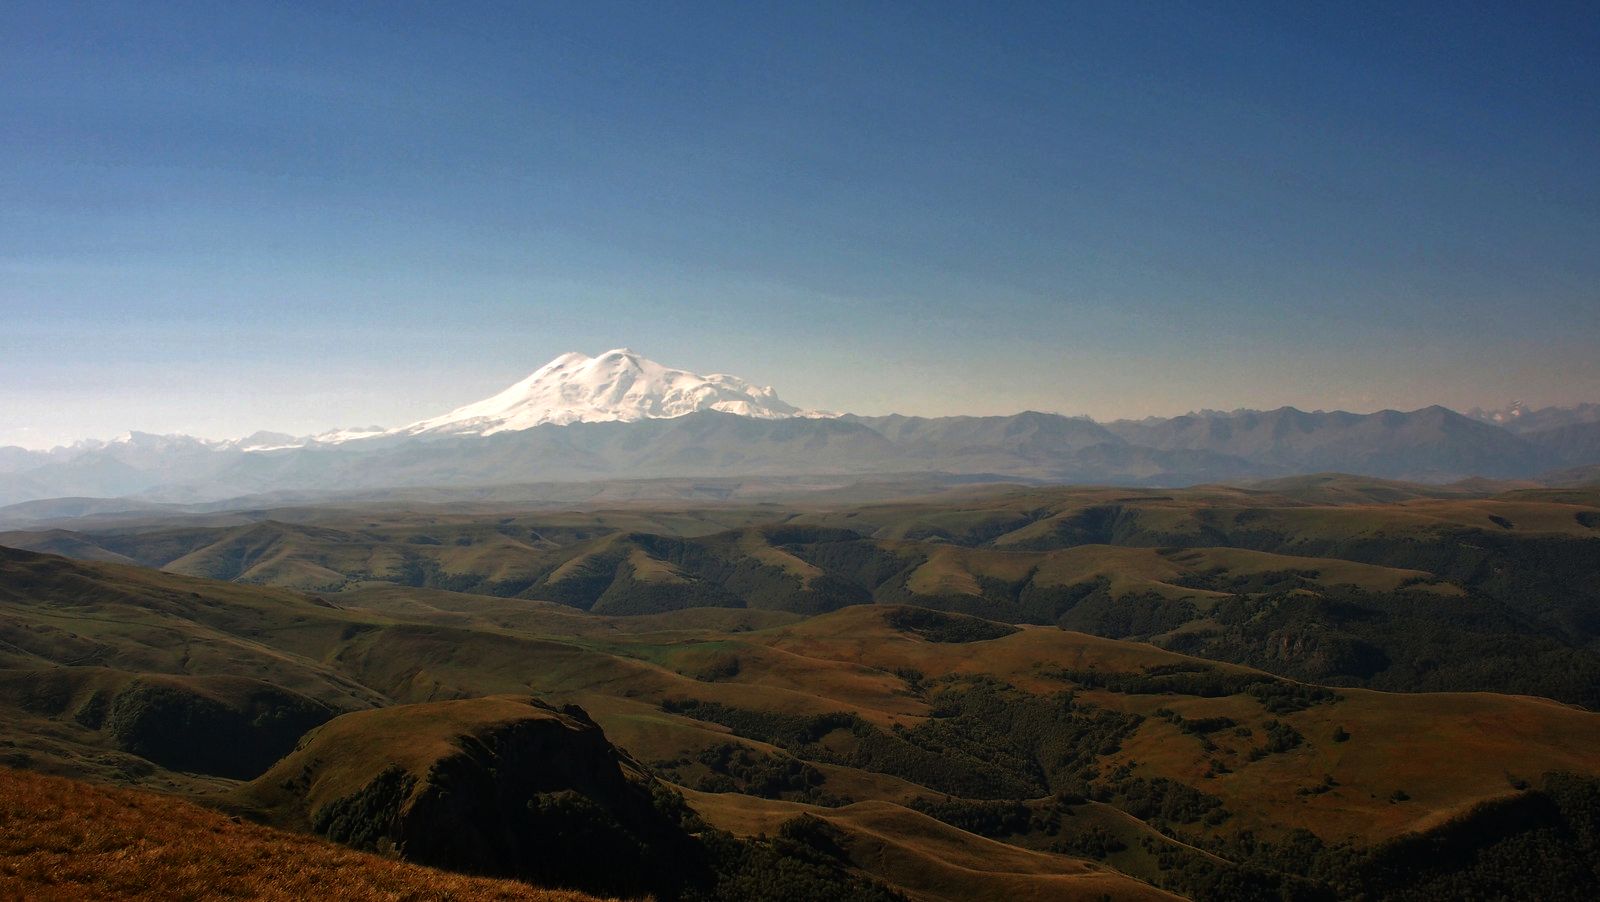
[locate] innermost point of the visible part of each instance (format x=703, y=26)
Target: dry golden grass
x=1125, y=570
x=931, y=861
x=647, y=569
x=754, y=543
x=62, y=839
x=954, y=570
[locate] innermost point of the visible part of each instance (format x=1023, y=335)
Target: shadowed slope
x=931, y=860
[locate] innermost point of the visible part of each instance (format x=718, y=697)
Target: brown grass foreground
x=62, y=839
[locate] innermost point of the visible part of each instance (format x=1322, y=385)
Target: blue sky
x=216, y=218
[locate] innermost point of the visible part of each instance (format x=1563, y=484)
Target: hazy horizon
x=358, y=422
x=147, y=409
x=282, y=217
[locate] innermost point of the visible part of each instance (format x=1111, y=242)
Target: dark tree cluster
x=985, y=818
x=1276, y=696
x=939, y=626
x=1093, y=842
x=983, y=740
x=1158, y=801
x=737, y=768
x=1543, y=844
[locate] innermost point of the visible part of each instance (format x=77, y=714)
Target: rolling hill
x=884, y=747
x=1328, y=578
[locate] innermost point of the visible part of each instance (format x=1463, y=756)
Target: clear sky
x=220, y=217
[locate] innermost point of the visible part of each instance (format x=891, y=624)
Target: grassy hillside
x=62, y=839
x=935, y=753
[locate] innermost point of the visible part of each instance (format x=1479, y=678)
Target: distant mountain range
x=1521, y=419
x=619, y=415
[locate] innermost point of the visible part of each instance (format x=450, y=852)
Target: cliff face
x=505, y=785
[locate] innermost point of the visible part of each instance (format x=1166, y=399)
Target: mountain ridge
x=620, y=415
x=1432, y=445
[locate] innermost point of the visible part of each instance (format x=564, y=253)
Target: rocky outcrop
x=505, y=785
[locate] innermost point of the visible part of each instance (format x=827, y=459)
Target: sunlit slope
x=62, y=839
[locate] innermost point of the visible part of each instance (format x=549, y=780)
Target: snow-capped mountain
x=622, y=416
x=619, y=385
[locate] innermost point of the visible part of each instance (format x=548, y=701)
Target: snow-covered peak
x=617, y=385
x=150, y=441
x=1508, y=414
x=347, y=433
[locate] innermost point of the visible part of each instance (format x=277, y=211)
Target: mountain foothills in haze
x=622, y=416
